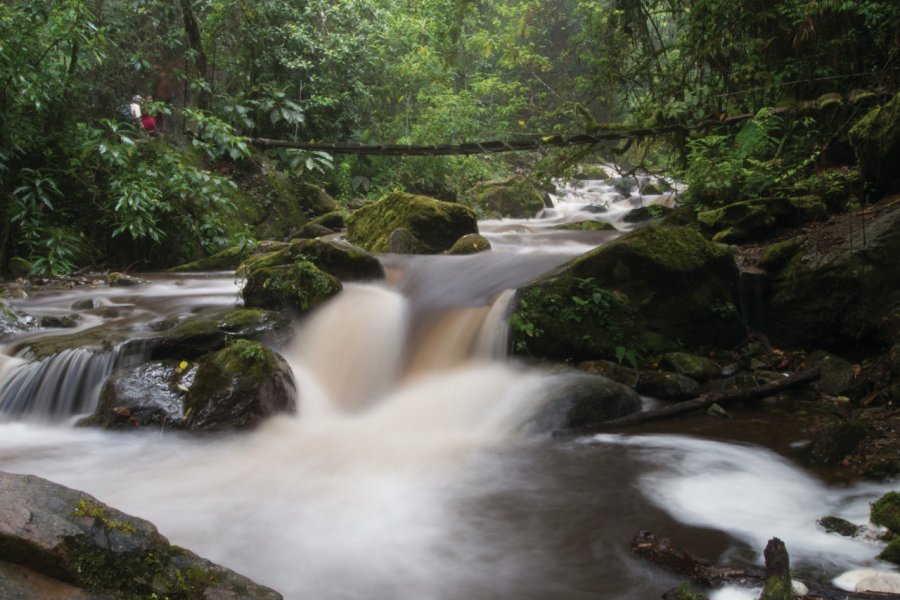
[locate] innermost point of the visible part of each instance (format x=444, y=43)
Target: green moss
x=891, y=553
x=683, y=592
x=300, y=286
x=778, y=254
x=586, y=226
x=470, y=244
x=777, y=588
x=876, y=140
x=516, y=197
x=886, y=512
x=95, y=510
x=438, y=224
x=227, y=259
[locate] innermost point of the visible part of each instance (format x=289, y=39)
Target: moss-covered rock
x=683, y=592
x=615, y=371
x=886, y=512
x=228, y=259
x=12, y=323
x=755, y=219
x=339, y=259
x=843, y=294
x=333, y=220
x=516, y=197
x=876, y=141
x=645, y=213
x=891, y=552
x=471, y=243
x=586, y=226
x=237, y=387
x=778, y=254
x=838, y=526
x=71, y=537
x=591, y=173
x=298, y=287
x=653, y=290
x=691, y=365
x=667, y=386
x=19, y=267
x=437, y=224
x=831, y=445
x=116, y=279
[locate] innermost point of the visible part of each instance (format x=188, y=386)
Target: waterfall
x=59, y=386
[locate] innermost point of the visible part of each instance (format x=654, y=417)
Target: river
x=410, y=470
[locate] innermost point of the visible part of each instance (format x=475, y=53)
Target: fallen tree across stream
x=664, y=553
x=699, y=403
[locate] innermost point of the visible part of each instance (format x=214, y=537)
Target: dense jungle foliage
x=80, y=188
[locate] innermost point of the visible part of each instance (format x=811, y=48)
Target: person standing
x=135, y=109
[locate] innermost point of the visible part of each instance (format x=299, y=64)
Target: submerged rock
x=579, y=399
x=437, y=224
x=70, y=541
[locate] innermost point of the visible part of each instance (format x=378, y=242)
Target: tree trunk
x=195, y=41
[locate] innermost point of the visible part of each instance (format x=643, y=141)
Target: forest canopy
x=79, y=187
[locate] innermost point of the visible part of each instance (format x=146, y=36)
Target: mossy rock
x=71, y=537
x=838, y=526
x=683, y=592
x=404, y=241
x=228, y=259
x=645, y=213
x=615, y=371
x=832, y=445
x=298, y=287
x=101, y=338
x=238, y=387
x=653, y=290
x=752, y=220
x=333, y=220
x=891, y=552
x=516, y=198
x=12, y=323
x=845, y=294
x=19, y=267
x=655, y=188
x=886, y=512
x=591, y=173
x=472, y=243
x=311, y=231
x=314, y=201
x=690, y=365
x=778, y=254
x=838, y=375
x=336, y=258
x=876, y=141
x=437, y=224
x=586, y=226
x=116, y=279
x=667, y=386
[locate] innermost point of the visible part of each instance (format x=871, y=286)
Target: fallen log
x=699, y=403
x=664, y=553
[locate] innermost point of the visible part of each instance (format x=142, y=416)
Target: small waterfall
x=62, y=385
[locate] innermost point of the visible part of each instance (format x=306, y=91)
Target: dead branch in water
x=664, y=553
x=699, y=403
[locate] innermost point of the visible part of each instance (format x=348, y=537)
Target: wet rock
x=616, y=372
x=886, y=512
x=646, y=213
x=11, y=322
x=64, y=322
x=116, y=279
x=876, y=141
x=403, y=241
x=437, y=224
x=146, y=395
x=230, y=258
x=778, y=254
x=691, y=365
x=591, y=173
x=340, y=259
x=586, y=226
x=751, y=220
x=838, y=375
x=311, y=231
x=891, y=553
x=596, y=209
x=844, y=293
x=210, y=329
x=19, y=267
x=833, y=444
x=238, y=387
x=667, y=386
x=298, y=287
x=649, y=291
x=333, y=220
x=517, y=198
x=470, y=244
x=72, y=540
x=683, y=592
x=655, y=188
x=86, y=304
x=579, y=399
x=839, y=526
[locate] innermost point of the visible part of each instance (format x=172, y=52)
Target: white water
x=410, y=472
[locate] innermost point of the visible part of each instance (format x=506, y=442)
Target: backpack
x=123, y=114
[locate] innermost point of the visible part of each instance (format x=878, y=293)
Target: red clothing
x=148, y=123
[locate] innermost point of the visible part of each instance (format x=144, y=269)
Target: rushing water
x=410, y=470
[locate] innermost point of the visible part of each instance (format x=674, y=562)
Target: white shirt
x=135, y=110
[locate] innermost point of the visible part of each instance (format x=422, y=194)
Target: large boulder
x=234, y=388
x=340, y=259
x=228, y=259
x=515, y=197
x=876, y=141
x=653, y=290
x=53, y=538
x=298, y=287
x=578, y=399
x=756, y=219
x=437, y=224
x=843, y=291
x=210, y=329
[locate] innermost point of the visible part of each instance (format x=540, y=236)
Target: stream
x=411, y=470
